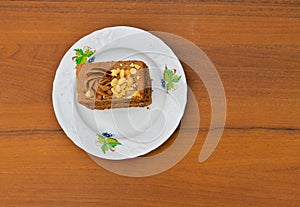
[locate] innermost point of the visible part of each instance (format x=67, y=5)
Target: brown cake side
x=121, y=84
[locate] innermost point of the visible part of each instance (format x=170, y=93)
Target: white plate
x=135, y=131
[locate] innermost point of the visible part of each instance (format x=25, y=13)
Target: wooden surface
x=255, y=46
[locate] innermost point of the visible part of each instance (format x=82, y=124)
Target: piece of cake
x=115, y=84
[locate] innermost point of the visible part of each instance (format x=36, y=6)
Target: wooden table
x=255, y=48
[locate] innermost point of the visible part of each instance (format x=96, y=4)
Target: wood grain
x=255, y=47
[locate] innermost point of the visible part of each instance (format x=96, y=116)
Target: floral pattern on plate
x=107, y=142
x=169, y=79
x=84, y=55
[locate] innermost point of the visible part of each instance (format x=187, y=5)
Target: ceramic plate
x=128, y=132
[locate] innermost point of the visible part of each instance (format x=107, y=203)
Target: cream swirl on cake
x=88, y=80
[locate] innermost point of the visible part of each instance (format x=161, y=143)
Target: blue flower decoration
x=163, y=83
x=106, y=134
x=92, y=59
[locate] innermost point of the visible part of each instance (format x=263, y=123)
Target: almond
x=127, y=72
x=122, y=73
x=137, y=93
x=118, y=95
x=114, y=82
x=129, y=81
x=88, y=94
x=114, y=72
x=113, y=90
x=121, y=81
x=118, y=88
x=137, y=66
x=133, y=71
x=123, y=86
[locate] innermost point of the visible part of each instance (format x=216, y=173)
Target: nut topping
x=137, y=66
x=88, y=94
x=114, y=82
x=122, y=72
x=133, y=71
x=123, y=84
x=129, y=81
x=121, y=81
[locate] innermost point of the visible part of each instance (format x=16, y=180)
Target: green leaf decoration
x=170, y=86
x=104, y=148
x=170, y=78
x=101, y=139
x=79, y=52
x=83, y=60
x=88, y=53
x=176, y=78
x=108, y=143
x=112, y=142
x=82, y=56
x=78, y=60
x=168, y=75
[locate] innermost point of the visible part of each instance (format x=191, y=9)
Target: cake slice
x=115, y=84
